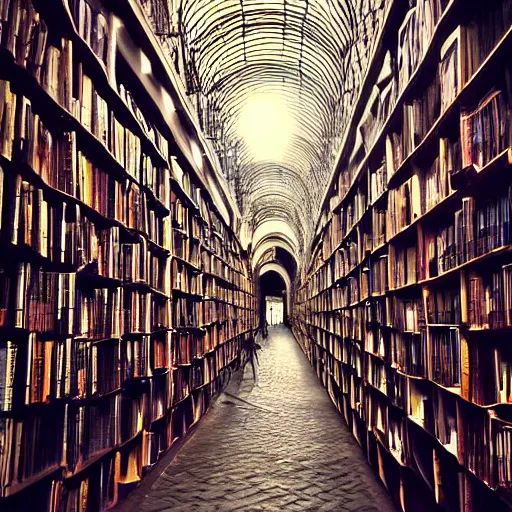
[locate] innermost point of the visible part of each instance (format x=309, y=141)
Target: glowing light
x=168, y=103
x=145, y=64
x=267, y=126
x=196, y=154
x=117, y=23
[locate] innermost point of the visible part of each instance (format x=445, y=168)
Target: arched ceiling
x=302, y=60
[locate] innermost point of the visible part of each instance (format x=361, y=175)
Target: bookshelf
x=125, y=294
x=404, y=310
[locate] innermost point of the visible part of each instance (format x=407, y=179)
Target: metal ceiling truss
x=314, y=53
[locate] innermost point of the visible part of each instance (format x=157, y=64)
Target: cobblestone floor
x=283, y=446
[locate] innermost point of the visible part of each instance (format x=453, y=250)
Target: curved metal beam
x=313, y=54
x=269, y=243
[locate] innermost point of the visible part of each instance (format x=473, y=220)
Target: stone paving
x=279, y=446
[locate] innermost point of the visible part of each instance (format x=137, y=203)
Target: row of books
x=181, y=245
x=437, y=410
x=189, y=313
x=216, y=335
x=443, y=306
x=185, y=279
x=414, y=37
x=483, y=33
x=92, y=26
x=26, y=36
x=150, y=130
x=342, y=222
x=62, y=232
x=59, y=232
x=378, y=183
x=402, y=338
x=445, y=356
x=50, y=302
x=478, y=228
x=180, y=214
x=186, y=312
x=139, y=265
x=75, y=433
x=405, y=204
x=485, y=132
x=403, y=266
x=87, y=335
x=203, y=372
x=489, y=299
x=32, y=445
x=187, y=346
x=188, y=280
x=379, y=275
x=216, y=266
x=55, y=371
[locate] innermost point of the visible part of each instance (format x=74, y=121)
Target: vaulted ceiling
x=300, y=61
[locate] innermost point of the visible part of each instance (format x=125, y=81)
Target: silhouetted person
x=251, y=355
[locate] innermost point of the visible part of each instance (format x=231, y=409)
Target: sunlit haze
x=266, y=125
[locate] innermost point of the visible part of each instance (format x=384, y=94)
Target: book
x=8, y=353
x=7, y=119
x=484, y=135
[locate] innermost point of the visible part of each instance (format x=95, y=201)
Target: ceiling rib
x=313, y=53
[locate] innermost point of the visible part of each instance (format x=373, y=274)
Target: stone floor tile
x=277, y=447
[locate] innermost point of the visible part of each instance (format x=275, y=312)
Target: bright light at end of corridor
x=266, y=124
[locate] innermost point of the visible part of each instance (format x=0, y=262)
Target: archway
x=274, y=288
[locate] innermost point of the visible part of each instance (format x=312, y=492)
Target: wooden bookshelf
x=125, y=295
x=404, y=312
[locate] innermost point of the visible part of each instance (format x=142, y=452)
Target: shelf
x=130, y=440
x=127, y=335
x=389, y=22
x=468, y=264
x=216, y=276
x=490, y=330
x=183, y=194
x=90, y=280
x=180, y=231
x=59, y=17
x=57, y=14
x=22, y=252
x=325, y=330
x=90, y=399
x=82, y=466
x=19, y=486
x=187, y=294
x=96, y=217
x=145, y=288
x=445, y=25
x=187, y=263
x=158, y=248
x=180, y=402
x=190, y=329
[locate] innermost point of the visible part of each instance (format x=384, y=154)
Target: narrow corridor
x=268, y=448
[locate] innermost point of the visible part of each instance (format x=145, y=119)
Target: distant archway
x=265, y=288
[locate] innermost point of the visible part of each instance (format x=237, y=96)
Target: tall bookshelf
x=124, y=294
x=405, y=309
